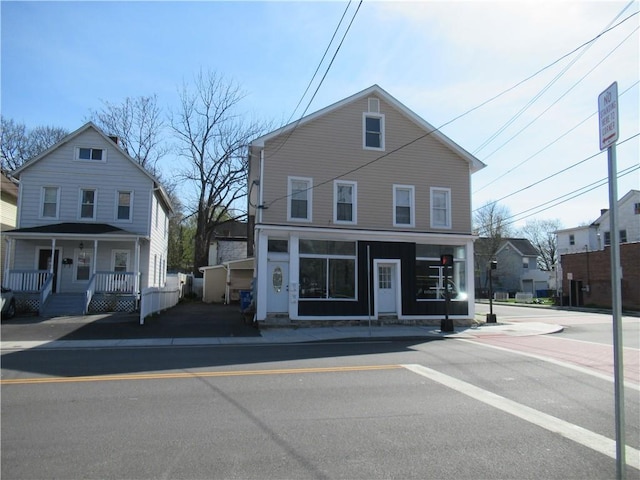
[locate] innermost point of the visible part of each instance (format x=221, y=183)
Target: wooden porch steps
x=63, y=304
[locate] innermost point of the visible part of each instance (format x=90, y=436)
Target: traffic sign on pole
x=608, y=116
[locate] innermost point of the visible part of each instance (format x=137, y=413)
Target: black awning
x=72, y=228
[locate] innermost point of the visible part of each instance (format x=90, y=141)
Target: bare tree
x=138, y=124
x=541, y=234
x=17, y=144
x=214, y=140
x=490, y=223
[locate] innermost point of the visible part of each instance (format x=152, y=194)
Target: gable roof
x=606, y=213
x=87, y=126
x=520, y=245
x=474, y=163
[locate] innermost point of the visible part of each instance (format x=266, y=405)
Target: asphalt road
x=437, y=409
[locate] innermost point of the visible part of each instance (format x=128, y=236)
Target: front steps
x=63, y=305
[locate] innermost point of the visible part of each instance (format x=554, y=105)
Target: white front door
x=278, y=287
x=386, y=288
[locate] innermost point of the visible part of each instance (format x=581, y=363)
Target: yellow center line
x=176, y=375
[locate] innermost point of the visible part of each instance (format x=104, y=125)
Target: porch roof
x=73, y=230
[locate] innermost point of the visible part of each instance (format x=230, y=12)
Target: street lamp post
x=491, y=317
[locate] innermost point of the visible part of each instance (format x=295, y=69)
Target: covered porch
x=74, y=269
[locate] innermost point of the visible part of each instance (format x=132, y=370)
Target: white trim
x=379, y=116
x=434, y=190
x=41, y=215
x=354, y=202
x=95, y=202
x=308, y=191
x=320, y=233
x=412, y=205
x=387, y=261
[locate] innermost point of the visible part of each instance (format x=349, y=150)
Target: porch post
x=95, y=256
x=53, y=254
x=136, y=253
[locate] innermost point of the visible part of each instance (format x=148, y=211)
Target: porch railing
x=46, y=290
x=91, y=288
x=115, y=282
x=30, y=281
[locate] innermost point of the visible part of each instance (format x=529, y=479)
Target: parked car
x=8, y=303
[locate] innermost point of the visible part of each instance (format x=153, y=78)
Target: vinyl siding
x=60, y=169
x=331, y=145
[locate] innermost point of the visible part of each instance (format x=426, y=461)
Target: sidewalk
x=203, y=324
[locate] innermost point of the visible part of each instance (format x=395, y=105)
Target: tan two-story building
x=352, y=208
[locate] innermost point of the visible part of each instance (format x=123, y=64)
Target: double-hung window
x=299, y=194
x=344, y=206
x=440, y=207
x=403, y=206
x=50, y=202
x=373, y=131
x=88, y=204
x=91, y=154
x=123, y=207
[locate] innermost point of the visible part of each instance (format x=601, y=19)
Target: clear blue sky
x=441, y=59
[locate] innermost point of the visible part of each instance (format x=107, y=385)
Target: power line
x=453, y=119
x=286, y=138
x=554, y=174
x=554, y=103
x=547, y=146
x=544, y=90
x=593, y=186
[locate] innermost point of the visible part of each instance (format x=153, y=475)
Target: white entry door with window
x=278, y=287
x=386, y=290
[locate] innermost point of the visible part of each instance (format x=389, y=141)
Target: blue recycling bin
x=245, y=299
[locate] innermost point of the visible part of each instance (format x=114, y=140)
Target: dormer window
x=91, y=154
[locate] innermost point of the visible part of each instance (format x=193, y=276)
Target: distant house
x=584, y=257
x=92, y=228
x=8, y=214
x=516, y=267
x=597, y=235
x=353, y=206
x=229, y=242
x=229, y=271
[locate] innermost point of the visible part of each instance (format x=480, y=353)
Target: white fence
x=156, y=299
x=524, y=297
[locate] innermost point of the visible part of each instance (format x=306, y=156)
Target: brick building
x=587, y=277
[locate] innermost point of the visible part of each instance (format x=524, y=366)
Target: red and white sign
x=608, y=116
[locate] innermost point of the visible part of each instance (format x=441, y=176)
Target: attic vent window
x=374, y=105
x=91, y=154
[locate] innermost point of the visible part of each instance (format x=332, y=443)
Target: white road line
x=571, y=366
x=580, y=435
